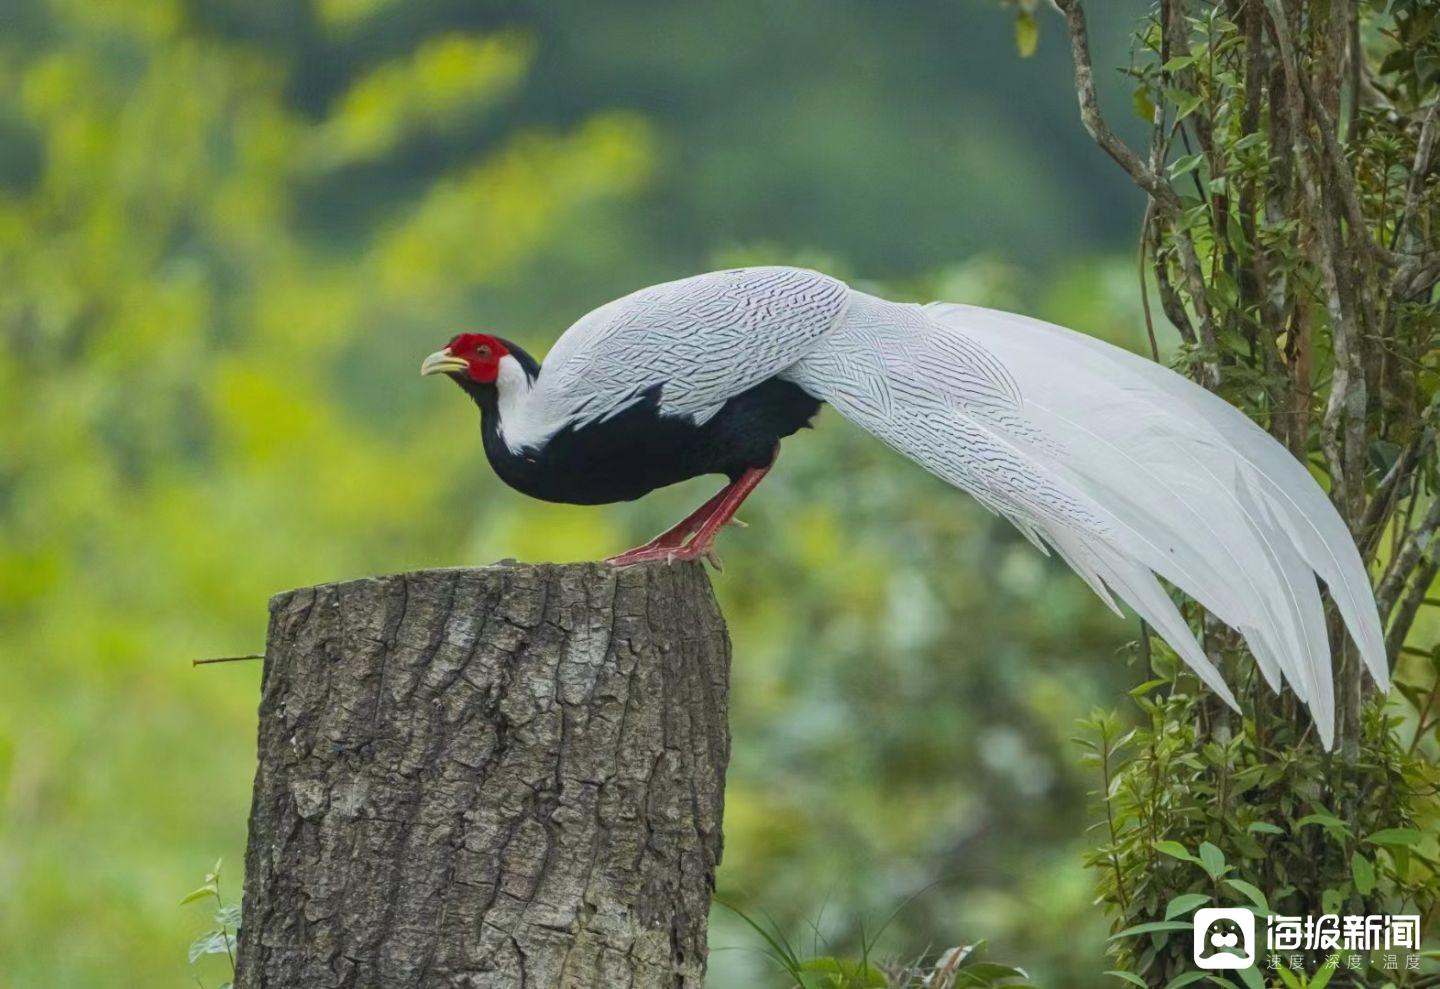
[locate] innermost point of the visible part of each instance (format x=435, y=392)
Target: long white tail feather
x=1125, y=468
x=1139, y=588
x=1303, y=511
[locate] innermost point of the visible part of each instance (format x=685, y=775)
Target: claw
x=737, y=523
x=648, y=554
x=713, y=558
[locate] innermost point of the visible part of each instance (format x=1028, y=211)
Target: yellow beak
x=443, y=362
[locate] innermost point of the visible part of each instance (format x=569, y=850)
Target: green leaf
x=1331, y=900
x=1212, y=859
x=1250, y=892
x=1185, y=164
x=1027, y=33
x=1148, y=686
x=1186, y=979
x=1129, y=977
x=1363, y=872
x=1176, y=851
x=1184, y=903
x=1327, y=821
x=1144, y=107
x=1178, y=62
x=1154, y=927
x=198, y=894
x=1397, y=61
x=228, y=915
x=778, y=947
x=851, y=975
x=1251, y=977
x=1264, y=827
x=1326, y=972
x=984, y=974
x=1291, y=980
x=1186, y=106
x=1400, y=855
x=210, y=943
x=1395, y=836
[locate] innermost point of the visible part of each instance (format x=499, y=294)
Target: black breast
x=631, y=454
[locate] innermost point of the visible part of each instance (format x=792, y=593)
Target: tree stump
x=510, y=776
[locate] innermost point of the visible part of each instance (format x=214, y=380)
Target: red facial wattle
x=477, y=355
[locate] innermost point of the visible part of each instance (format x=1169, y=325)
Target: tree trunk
x=503, y=777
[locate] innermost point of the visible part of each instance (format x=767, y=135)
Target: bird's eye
x=483, y=351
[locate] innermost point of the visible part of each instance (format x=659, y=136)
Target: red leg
x=676, y=535
x=729, y=501
x=703, y=545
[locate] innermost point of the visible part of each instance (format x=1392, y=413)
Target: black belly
x=639, y=450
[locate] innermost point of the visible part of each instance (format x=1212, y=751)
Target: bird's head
x=473, y=357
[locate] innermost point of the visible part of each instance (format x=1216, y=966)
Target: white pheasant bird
x=1124, y=468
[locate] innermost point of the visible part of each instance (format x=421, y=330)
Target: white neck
x=520, y=427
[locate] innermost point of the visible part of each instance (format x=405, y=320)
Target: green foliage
x=219, y=940
x=961, y=967
x=1254, y=303
x=1256, y=820
x=1027, y=28
x=1410, y=48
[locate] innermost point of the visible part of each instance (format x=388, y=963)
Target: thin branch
x=1356, y=59
x=227, y=659
x=1298, y=351
x=1416, y=279
x=1333, y=157
x=1195, y=282
x=1419, y=543
x=1418, y=172
x=1417, y=275
x=1387, y=496
x=1171, y=302
x=1410, y=607
x=1146, y=177
x=1090, y=115
x=1387, y=492
x=1144, y=285
x=1343, y=425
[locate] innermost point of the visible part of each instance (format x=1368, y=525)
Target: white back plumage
x=1123, y=467
x=701, y=340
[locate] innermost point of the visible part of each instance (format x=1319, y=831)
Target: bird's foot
x=644, y=554
x=696, y=549
x=662, y=549
x=705, y=523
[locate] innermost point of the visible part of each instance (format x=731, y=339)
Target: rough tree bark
x=503, y=777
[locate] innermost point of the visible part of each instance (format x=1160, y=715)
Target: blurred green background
x=230, y=230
